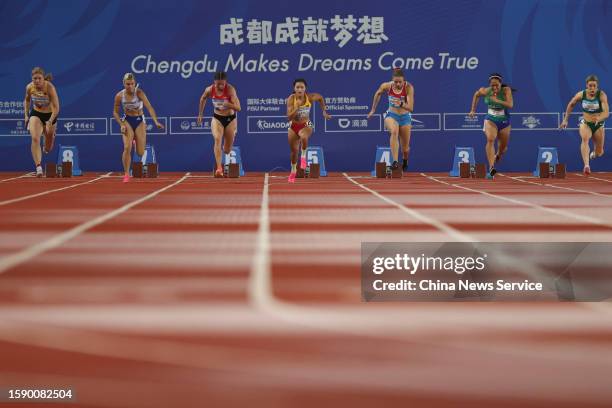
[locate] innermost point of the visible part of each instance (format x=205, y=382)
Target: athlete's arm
x=604, y=106
x=147, y=104
x=291, y=108
x=234, y=102
x=409, y=105
x=509, y=102
x=480, y=92
x=116, y=112
x=381, y=90
x=203, y=99
x=26, y=103
x=54, y=100
x=319, y=98
x=569, y=109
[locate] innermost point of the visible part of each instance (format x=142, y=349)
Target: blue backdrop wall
x=345, y=50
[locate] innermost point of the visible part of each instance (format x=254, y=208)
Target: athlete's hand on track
x=370, y=114
x=159, y=125
x=472, y=114
x=563, y=125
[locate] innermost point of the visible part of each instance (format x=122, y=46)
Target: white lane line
x=538, y=207
x=260, y=290
x=591, y=177
x=57, y=240
x=18, y=199
x=577, y=190
x=31, y=174
x=452, y=232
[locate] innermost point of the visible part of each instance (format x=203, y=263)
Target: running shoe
x=39, y=171
x=292, y=176
x=303, y=163
x=126, y=178
x=586, y=170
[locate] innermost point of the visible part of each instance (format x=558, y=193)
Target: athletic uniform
x=134, y=104
x=301, y=116
x=497, y=113
x=592, y=106
x=40, y=100
x=218, y=101
x=395, y=99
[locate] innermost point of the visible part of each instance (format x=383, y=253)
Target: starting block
x=313, y=170
x=233, y=158
x=463, y=155
x=467, y=170
x=384, y=171
x=145, y=165
x=232, y=170
x=152, y=170
x=52, y=170
x=547, y=170
x=137, y=170
x=69, y=154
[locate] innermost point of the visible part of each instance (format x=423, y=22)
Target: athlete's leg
x=35, y=126
x=585, y=149
x=294, y=143
x=304, y=135
x=404, y=133
x=393, y=128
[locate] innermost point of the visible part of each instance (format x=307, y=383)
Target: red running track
x=189, y=291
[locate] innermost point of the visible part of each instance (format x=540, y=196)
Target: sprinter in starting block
x=398, y=117
x=224, y=123
x=133, y=127
x=595, y=110
x=499, y=100
x=299, y=104
x=41, y=97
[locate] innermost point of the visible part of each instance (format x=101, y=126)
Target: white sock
x=227, y=159
x=293, y=167
x=304, y=153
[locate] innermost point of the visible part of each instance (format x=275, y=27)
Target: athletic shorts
x=225, y=120
x=402, y=120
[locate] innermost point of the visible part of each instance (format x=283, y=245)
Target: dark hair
x=397, y=72
x=220, y=76
x=38, y=70
x=592, y=78
x=302, y=80
x=498, y=76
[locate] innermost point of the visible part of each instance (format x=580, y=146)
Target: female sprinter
x=224, y=123
x=300, y=126
x=595, y=110
x=45, y=107
x=398, y=117
x=133, y=126
x=498, y=97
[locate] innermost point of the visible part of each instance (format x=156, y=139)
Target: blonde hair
x=128, y=76
x=38, y=70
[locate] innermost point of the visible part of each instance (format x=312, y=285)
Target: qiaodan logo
x=265, y=125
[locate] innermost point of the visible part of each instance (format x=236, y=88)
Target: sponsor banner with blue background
x=345, y=51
